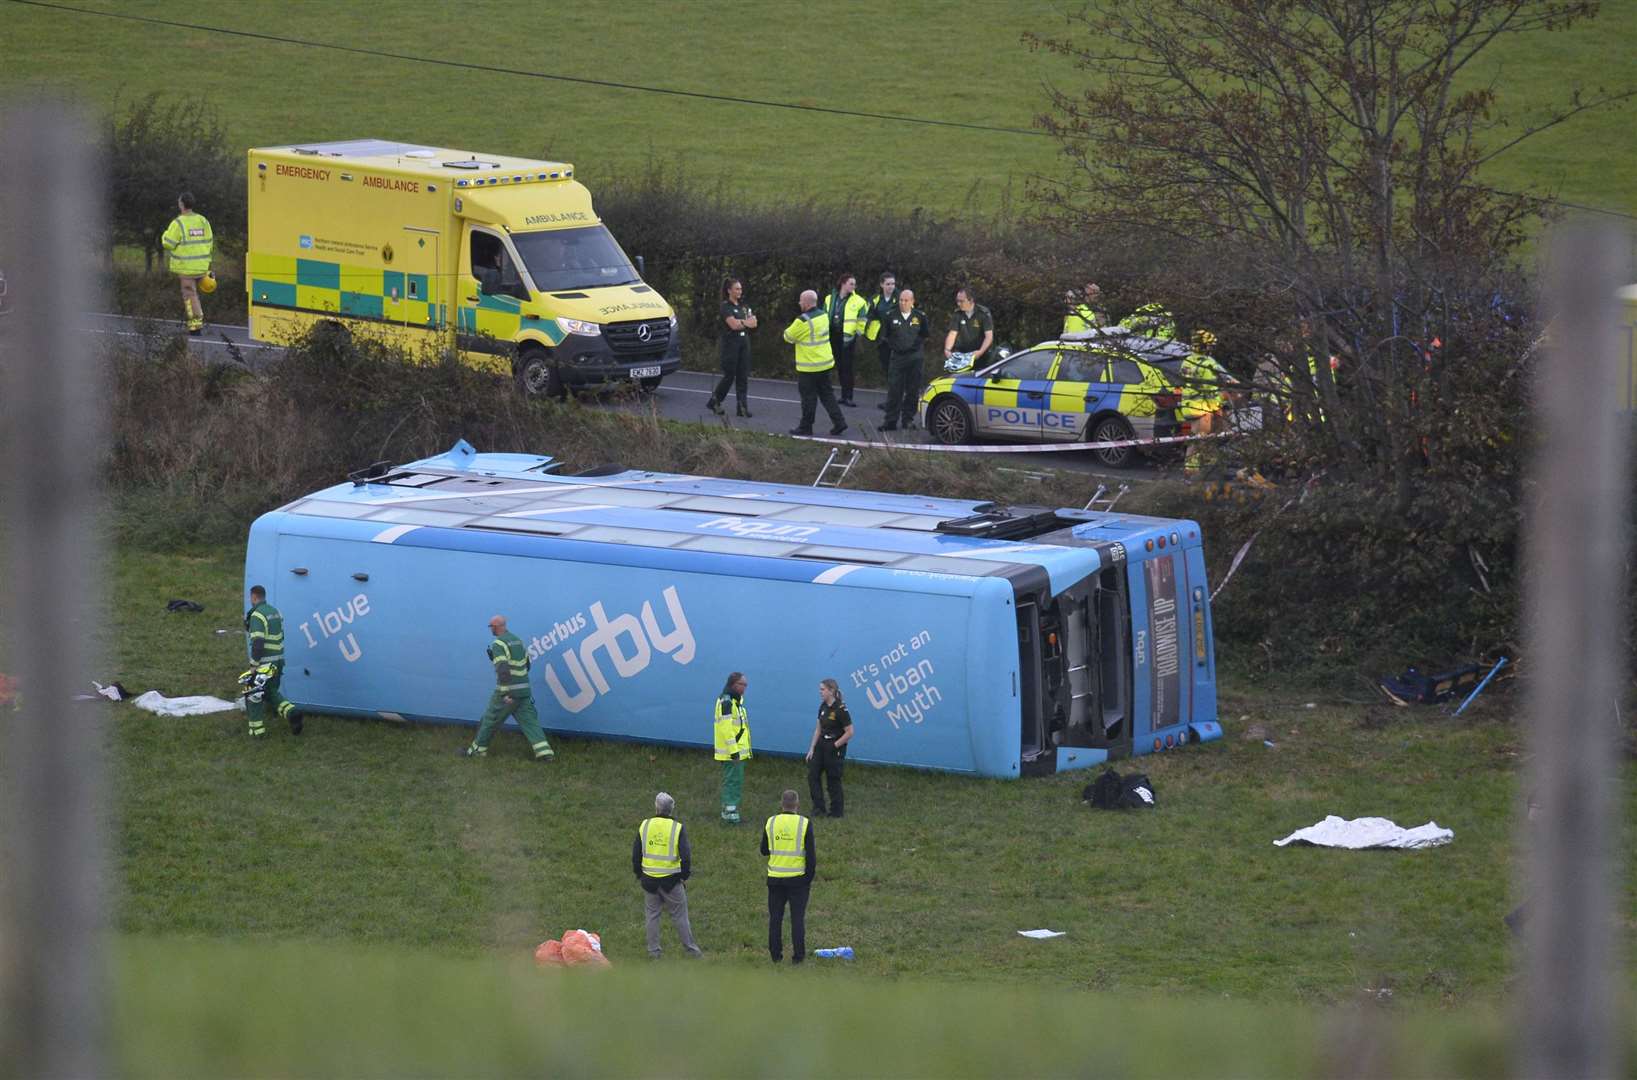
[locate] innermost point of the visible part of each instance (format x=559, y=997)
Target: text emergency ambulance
x=503, y=259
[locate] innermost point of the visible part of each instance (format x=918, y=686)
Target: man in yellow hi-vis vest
x=809, y=332
x=189, y=242
x=662, y=861
x=787, y=841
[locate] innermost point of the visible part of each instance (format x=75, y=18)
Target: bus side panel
x=1200, y=655
x=626, y=651
x=992, y=680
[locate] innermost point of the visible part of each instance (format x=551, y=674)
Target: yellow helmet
x=207, y=284
x=1204, y=339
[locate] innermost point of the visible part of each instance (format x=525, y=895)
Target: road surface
x=774, y=404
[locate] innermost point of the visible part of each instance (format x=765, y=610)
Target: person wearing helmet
x=1151, y=320
x=189, y=243
x=971, y=332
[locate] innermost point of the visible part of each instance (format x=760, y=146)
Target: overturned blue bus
x=967, y=637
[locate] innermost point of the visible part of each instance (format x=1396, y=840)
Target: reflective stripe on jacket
x=852, y=314
x=732, y=728
x=265, y=627
x=661, y=854
x=508, y=649
x=190, y=242
x=810, y=334
x=786, y=845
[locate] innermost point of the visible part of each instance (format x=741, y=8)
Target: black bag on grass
x=1111, y=791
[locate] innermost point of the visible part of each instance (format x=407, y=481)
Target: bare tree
x=1327, y=152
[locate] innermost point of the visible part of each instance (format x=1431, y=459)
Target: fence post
x=52, y=975
x=1575, y=591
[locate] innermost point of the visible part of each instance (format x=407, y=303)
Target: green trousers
x=733, y=788
x=522, y=707
x=268, y=702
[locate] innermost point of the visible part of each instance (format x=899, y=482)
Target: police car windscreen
x=584, y=258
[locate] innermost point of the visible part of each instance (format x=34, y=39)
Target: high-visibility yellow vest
x=661, y=850
x=190, y=243
x=876, y=306
x=786, y=845
x=732, y=729
x=508, y=649
x=1202, y=390
x=1082, y=318
x=810, y=334
x=853, y=312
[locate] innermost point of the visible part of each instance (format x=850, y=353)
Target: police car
x=1095, y=386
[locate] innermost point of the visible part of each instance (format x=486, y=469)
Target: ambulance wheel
x=537, y=374
x=1113, y=429
x=950, y=421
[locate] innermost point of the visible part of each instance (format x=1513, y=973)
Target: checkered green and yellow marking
x=363, y=292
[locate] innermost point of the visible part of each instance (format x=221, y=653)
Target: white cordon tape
x=1044, y=448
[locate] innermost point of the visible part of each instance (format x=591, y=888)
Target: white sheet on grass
x=1368, y=832
x=155, y=702
x=1042, y=933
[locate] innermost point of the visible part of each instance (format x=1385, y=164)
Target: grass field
x=954, y=62
x=373, y=834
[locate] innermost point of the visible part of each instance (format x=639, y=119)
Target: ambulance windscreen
x=581, y=258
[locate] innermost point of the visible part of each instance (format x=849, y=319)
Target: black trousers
x=792, y=891
x=843, y=352
x=903, y=386
x=827, y=763
x=884, y=354
x=735, y=372
x=814, y=387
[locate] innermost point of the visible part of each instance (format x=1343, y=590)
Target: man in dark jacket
x=661, y=860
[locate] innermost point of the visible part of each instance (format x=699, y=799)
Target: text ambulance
x=502, y=259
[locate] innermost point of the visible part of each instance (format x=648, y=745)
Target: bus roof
x=523, y=495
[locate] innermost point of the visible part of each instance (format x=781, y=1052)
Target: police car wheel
x=1113, y=429
x=950, y=422
x=650, y=385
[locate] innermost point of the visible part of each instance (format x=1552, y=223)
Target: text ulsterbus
x=966, y=636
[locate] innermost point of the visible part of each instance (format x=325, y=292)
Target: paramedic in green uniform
x=264, y=631
x=731, y=730
x=511, y=697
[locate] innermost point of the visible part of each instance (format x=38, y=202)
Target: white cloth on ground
x=1368, y=832
x=155, y=702
x=1042, y=933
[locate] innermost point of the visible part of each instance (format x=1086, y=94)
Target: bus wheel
x=950, y=422
x=537, y=374
x=1114, y=429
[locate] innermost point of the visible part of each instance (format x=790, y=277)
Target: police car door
x=1014, y=396
x=1076, y=391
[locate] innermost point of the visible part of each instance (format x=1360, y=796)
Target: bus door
x=1158, y=595
x=1014, y=396
x=1033, y=734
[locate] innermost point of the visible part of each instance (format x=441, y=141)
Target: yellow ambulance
x=502, y=259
